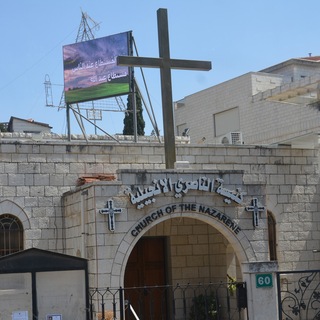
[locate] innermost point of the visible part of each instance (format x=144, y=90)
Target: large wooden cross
x=165, y=64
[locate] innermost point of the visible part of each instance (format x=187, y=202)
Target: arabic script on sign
x=146, y=196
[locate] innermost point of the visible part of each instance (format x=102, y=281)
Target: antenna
x=85, y=31
x=48, y=90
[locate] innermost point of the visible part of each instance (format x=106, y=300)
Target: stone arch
x=241, y=244
x=273, y=206
x=12, y=208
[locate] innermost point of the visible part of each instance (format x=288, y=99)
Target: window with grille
x=11, y=234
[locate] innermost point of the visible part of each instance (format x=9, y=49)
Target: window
x=11, y=234
x=226, y=121
x=272, y=236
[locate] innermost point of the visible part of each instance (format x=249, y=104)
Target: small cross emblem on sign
x=110, y=211
x=255, y=208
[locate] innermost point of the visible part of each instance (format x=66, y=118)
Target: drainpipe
x=83, y=225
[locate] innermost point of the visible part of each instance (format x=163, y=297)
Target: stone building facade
x=209, y=218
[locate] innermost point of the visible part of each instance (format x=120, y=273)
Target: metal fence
x=299, y=295
x=212, y=301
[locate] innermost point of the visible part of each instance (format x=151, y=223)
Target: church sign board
x=180, y=188
x=142, y=197
x=186, y=207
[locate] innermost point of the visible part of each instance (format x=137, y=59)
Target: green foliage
x=3, y=128
x=128, y=119
x=204, y=307
x=232, y=285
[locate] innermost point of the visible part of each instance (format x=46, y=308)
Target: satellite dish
x=185, y=132
x=225, y=140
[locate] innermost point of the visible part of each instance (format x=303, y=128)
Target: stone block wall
x=35, y=174
x=197, y=251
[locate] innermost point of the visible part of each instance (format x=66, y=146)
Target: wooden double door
x=145, y=270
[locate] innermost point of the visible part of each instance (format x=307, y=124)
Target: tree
x=128, y=119
x=3, y=127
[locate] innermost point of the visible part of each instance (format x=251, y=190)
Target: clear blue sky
x=236, y=36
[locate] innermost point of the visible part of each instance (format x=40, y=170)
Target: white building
x=273, y=106
x=27, y=126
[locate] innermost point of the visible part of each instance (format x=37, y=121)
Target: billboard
x=91, y=71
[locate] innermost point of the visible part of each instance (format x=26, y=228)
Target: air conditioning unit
x=231, y=138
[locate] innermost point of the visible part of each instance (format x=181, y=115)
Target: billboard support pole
x=134, y=111
x=133, y=92
x=82, y=116
x=68, y=122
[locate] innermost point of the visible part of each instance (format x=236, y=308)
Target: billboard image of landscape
x=91, y=71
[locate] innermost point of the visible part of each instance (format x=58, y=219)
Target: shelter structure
x=32, y=279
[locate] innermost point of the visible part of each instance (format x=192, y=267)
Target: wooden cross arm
x=159, y=63
x=190, y=64
x=139, y=62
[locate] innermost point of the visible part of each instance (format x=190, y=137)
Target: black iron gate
x=212, y=301
x=299, y=295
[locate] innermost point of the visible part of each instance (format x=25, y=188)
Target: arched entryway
x=183, y=250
